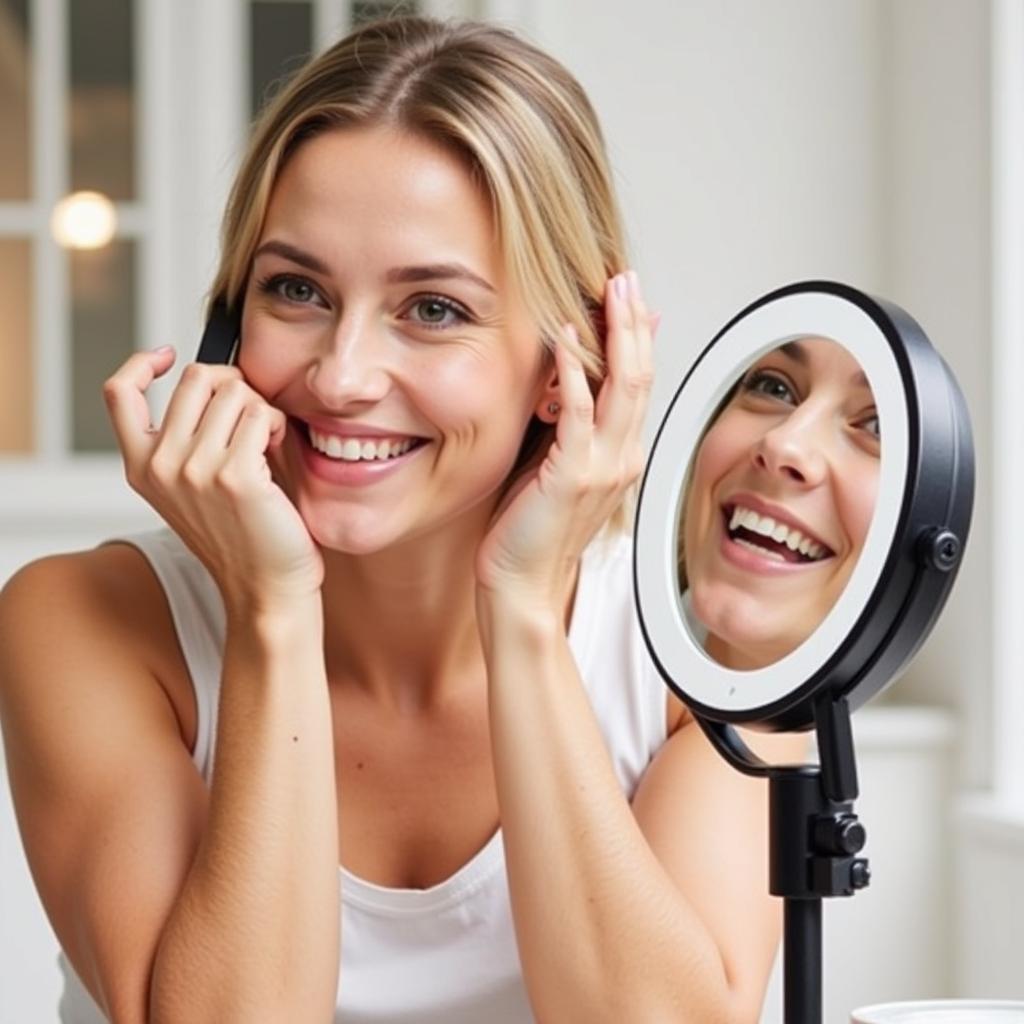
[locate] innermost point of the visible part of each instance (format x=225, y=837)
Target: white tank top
x=447, y=954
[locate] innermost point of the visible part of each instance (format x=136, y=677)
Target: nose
x=352, y=365
x=795, y=448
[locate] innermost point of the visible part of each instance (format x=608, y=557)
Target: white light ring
x=801, y=314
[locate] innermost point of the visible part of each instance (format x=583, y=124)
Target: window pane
x=15, y=97
x=282, y=40
x=102, y=335
x=102, y=114
x=16, y=345
x=374, y=10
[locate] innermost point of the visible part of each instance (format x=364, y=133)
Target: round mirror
x=804, y=507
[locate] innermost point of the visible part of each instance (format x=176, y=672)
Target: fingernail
x=160, y=349
x=620, y=286
x=571, y=333
x=655, y=323
x=634, y=283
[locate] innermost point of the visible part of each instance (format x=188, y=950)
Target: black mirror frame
x=929, y=537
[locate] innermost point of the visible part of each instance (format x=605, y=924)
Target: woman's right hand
x=205, y=470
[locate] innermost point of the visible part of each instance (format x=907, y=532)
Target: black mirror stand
x=814, y=839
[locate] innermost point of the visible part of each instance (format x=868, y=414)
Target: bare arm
x=659, y=912
x=171, y=904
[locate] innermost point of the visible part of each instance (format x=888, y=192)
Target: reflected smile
x=772, y=537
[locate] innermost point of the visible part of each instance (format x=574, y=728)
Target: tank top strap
x=199, y=621
x=628, y=697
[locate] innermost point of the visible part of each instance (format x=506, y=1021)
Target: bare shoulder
x=108, y=801
x=98, y=601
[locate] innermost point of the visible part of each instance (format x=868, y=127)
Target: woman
x=394, y=599
x=780, y=499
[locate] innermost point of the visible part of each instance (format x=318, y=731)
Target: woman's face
x=379, y=318
x=781, y=496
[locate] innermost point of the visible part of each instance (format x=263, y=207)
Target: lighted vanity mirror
x=804, y=507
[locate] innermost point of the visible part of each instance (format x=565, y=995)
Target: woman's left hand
x=557, y=506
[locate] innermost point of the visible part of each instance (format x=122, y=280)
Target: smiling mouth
x=361, y=449
x=772, y=537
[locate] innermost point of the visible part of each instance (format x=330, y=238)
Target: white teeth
x=779, y=532
x=764, y=552
x=355, y=450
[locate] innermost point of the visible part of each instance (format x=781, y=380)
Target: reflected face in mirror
x=779, y=500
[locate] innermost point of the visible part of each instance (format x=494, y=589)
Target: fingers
x=256, y=429
x=219, y=420
x=213, y=417
x=575, y=427
x=622, y=403
x=125, y=396
x=199, y=382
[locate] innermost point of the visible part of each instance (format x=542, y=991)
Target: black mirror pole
x=814, y=838
x=801, y=961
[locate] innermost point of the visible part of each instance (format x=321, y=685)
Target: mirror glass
x=777, y=502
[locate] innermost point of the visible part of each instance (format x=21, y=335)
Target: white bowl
x=942, y=1011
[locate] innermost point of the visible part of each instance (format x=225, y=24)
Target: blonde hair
x=530, y=138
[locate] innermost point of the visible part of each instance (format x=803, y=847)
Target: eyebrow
x=398, y=275
x=798, y=353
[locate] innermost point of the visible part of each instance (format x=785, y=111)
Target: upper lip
x=353, y=428
x=778, y=513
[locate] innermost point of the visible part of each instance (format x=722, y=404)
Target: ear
x=549, y=400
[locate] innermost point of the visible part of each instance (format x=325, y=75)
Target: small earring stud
x=553, y=408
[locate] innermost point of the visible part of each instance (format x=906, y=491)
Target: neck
x=400, y=624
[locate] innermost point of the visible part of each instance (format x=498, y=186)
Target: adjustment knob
x=840, y=834
x=940, y=549
x=860, y=873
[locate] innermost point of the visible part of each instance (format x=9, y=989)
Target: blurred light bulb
x=84, y=220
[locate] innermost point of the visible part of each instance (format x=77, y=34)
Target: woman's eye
x=771, y=385
x=291, y=289
x=871, y=425
x=435, y=311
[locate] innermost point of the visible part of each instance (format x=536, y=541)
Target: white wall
x=936, y=245
x=745, y=137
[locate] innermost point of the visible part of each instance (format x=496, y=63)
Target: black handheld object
x=219, y=343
